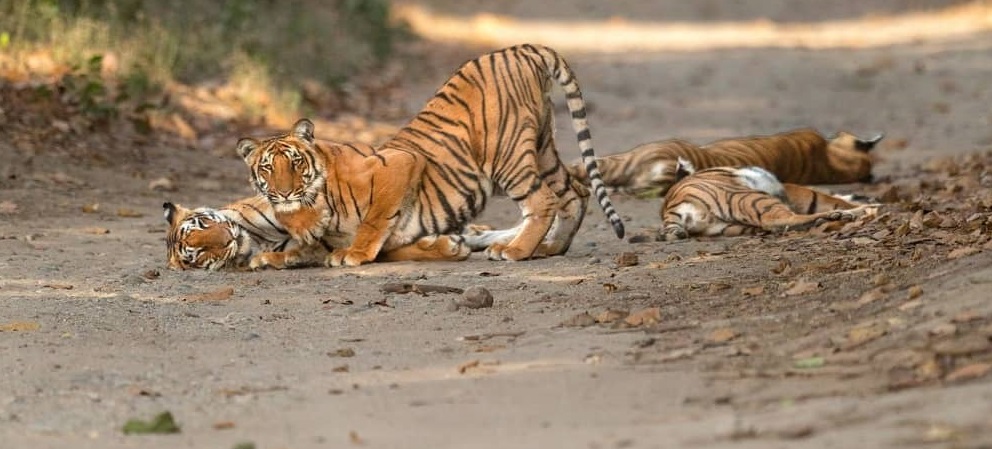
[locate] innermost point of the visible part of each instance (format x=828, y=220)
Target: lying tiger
x=801, y=156
x=727, y=201
x=489, y=126
x=230, y=237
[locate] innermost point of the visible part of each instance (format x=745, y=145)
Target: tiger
x=490, y=126
x=800, y=156
x=231, y=237
x=729, y=201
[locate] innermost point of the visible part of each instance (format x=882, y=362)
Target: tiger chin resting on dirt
x=490, y=126
x=244, y=234
x=726, y=201
x=801, y=156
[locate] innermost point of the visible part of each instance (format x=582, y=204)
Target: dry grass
x=261, y=51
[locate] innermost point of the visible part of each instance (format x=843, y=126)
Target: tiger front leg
x=386, y=188
x=292, y=258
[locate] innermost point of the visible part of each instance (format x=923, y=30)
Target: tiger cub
x=729, y=201
x=800, y=156
x=232, y=237
x=489, y=126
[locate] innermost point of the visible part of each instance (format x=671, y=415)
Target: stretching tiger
x=734, y=201
x=489, y=126
x=800, y=156
x=230, y=237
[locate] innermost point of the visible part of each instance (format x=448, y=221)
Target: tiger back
x=801, y=156
x=490, y=126
x=727, y=201
x=230, y=237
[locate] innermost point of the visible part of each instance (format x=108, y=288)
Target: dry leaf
x=216, y=295
x=8, y=207
x=944, y=330
x=863, y=334
x=467, y=366
x=223, y=425
x=96, y=230
x=967, y=317
x=782, y=267
x=968, y=372
x=129, y=213
x=162, y=184
x=19, y=326
x=801, y=287
x=722, y=335
x=915, y=292
x=91, y=208
x=715, y=287
x=753, y=291
x=58, y=286
x=626, y=259
x=870, y=296
x=644, y=317
x=962, y=252
x=610, y=315
x=355, y=439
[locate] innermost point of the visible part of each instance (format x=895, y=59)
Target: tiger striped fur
x=231, y=237
x=800, y=156
x=726, y=201
x=489, y=126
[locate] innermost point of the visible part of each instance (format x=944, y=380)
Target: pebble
x=476, y=297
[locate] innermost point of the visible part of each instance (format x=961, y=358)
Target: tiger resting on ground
x=489, y=126
x=729, y=201
x=231, y=236
x=800, y=156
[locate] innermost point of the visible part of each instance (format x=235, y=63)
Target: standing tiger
x=232, y=237
x=800, y=156
x=729, y=201
x=489, y=126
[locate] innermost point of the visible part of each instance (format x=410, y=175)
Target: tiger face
x=203, y=238
x=284, y=169
x=848, y=154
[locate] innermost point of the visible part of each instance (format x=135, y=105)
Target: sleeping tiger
x=231, y=237
x=489, y=126
x=729, y=201
x=800, y=156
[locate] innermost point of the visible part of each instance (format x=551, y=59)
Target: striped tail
x=560, y=71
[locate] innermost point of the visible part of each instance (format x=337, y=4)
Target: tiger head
x=203, y=238
x=284, y=168
x=849, y=154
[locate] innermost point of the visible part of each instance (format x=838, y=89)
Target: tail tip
x=618, y=229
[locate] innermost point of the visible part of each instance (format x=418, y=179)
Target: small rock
x=915, y=292
x=593, y=261
x=151, y=274
x=451, y=306
x=476, y=297
x=626, y=259
x=581, y=320
x=645, y=317
x=972, y=344
x=343, y=352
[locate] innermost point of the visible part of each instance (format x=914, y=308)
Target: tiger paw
x=345, y=258
x=267, y=260
x=498, y=251
x=672, y=235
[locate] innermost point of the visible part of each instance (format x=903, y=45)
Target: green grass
x=256, y=45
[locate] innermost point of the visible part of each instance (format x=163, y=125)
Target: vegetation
x=142, y=46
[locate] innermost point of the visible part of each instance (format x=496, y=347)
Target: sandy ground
x=871, y=336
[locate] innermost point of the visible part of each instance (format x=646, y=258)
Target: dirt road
x=868, y=336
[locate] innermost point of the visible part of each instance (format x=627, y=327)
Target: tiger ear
x=246, y=146
x=170, y=212
x=303, y=130
x=683, y=168
x=866, y=145
x=174, y=212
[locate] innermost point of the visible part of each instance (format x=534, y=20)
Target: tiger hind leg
x=432, y=247
x=573, y=202
x=782, y=218
x=538, y=205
